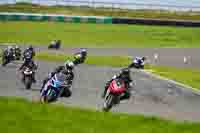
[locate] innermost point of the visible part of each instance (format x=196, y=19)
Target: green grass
x=69, y=10
x=186, y=76
x=98, y=35
x=20, y=116
x=91, y=60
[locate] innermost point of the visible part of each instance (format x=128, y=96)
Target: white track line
x=194, y=90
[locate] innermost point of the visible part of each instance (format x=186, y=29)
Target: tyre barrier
x=143, y=21
x=58, y=18
x=95, y=19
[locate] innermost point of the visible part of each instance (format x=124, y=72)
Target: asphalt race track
x=150, y=96
x=165, y=56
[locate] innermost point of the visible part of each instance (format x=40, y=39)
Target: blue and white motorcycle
x=138, y=63
x=54, y=88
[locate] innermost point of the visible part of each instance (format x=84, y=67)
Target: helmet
x=83, y=50
x=69, y=65
x=27, y=56
x=10, y=47
x=125, y=73
x=16, y=47
x=144, y=58
x=30, y=47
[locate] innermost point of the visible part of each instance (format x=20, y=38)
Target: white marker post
x=185, y=60
x=155, y=57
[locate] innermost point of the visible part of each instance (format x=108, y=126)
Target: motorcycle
x=56, y=44
x=54, y=88
x=78, y=59
x=28, y=77
x=7, y=58
x=17, y=54
x=139, y=64
x=115, y=90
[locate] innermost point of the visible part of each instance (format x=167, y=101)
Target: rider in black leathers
x=28, y=62
x=17, y=52
x=125, y=76
x=67, y=69
x=8, y=55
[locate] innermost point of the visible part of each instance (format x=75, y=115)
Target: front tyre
x=28, y=82
x=108, y=103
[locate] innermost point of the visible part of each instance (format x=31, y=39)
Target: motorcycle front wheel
x=108, y=103
x=28, y=82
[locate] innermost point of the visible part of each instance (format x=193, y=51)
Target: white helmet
x=83, y=50
x=69, y=64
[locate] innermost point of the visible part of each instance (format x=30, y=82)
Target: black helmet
x=30, y=47
x=27, y=56
x=144, y=58
x=125, y=73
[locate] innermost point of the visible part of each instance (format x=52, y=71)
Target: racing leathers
x=8, y=55
x=31, y=65
x=17, y=51
x=80, y=57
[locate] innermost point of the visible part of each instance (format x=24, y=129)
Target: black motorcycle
x=138, y=64
x=17, y=54
x=56, y=45
x=7, y=58
x=27, y=77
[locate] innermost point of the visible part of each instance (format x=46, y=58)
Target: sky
x=157, y=2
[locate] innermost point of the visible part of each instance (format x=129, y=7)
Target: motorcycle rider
x=80, y=56
x=139, y=61
x=124, y=74
x=8, y=54
x=17, y=51
x=28, y=62
x=55, y=44
x=29, y=52
x=66, y=69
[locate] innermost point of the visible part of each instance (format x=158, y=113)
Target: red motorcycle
x=113, y=94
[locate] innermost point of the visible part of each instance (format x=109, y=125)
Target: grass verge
x=122, y=61
x=98, y=35
x=21, y=116
x=186, y=76
x=70, y=10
